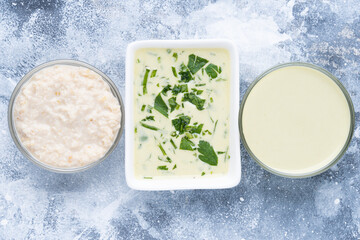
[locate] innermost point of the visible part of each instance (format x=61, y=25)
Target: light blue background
x=97, y=204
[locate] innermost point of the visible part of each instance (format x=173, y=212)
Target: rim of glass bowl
x=339, y=155
x=13, y=131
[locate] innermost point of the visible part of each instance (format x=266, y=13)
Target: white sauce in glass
x=147, y=154
x=296, y=120
x=66, y=116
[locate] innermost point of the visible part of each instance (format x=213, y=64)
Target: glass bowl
x=323, y=168
x=14, y=133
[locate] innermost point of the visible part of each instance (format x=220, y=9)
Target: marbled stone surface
x=97, y=204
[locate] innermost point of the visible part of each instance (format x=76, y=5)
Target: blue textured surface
x=97, y=204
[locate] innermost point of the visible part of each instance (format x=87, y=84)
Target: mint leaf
x=161, y=106
x=196, y=63
x=207, y=153
x=179, y=89
x=181, y=123
x=212, y=70
x=144, y=83
x=186, y=144
x=192, y=98
x=172, y=104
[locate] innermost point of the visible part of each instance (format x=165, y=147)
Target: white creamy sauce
x=66, y=116
x=150, y=160
x=296, y=120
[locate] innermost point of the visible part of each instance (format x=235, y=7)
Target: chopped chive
x=135, y=130
x=143, y=107
x=145, y=80
x=215, y=126
x=211, y=99
x=200, y=84
x=174, y=167
x=138, y=60
x=203, y=173
x=159, y=59
x=172, y=143
x=162, y=149
x=162, y=167
x=148, y=126
x=153, y=73
x=174, y=71
x=219, y=152
x=168, y=159
x=147, y=177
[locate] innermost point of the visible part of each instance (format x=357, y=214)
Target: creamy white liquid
x=147, y=152
x=66, y=116
x=296, y=120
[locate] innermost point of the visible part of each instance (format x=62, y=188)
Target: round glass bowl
x=14, y=133
x=296, y=125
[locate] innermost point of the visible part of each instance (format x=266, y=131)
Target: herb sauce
x=181, y=112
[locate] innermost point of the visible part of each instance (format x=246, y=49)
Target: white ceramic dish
x=232, y=178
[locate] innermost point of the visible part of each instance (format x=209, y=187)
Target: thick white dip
x=66, y=116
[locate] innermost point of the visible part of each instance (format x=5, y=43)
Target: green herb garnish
x=179, y=89
x=148, y=126
x=195, y=129
x=172, y=143
x=172, y=103
x=153, y=73
x=143, y=107
x=212, y=70
x=192, y=98
x=162, y=168
x=181, y=123
x=161, y=106
x=186, y=144
x=200, y=84
x=149, y=118
x=144, y=83
x=175, y=56
x=168, y=51
x=162, y=149
x=174, y=71
x=147, y=177
x=203, y=173
x=196, y=63
x=174, y=167
x=166, y=89
x=207, y=153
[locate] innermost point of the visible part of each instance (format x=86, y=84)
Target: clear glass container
x=339, y=155
x=14, y=133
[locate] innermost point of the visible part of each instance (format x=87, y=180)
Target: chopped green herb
x=153, y=73
x=148, y=126
x=162, y=149
x=138, y=60
x=172, y=143
x=162, y=168
x=135, y=130
x=207, y=131
x=218, y=152
x=147, y=177
x=186, y=76
x=168, y=51
x=174, y=167
x=200, y=84
x=149, y=118
x=174, y=71
x=179, y=89
x=144, y=83
x=181, y=123
x=196, y=91
x=186, y=144
x=212, y=70
x=175, y=56
x=161, y=106
x=189, y=135
x=172, y=103
x=207, y=153
x=196, y=63
x=211, y=99
x=168, y=159
x=195, y=129
x=159, y=59
x=192, y=98
x=203, y=173
x=215, y=126
x=166, y=89
x=143, y=107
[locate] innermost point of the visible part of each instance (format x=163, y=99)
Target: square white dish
x=233, y=176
